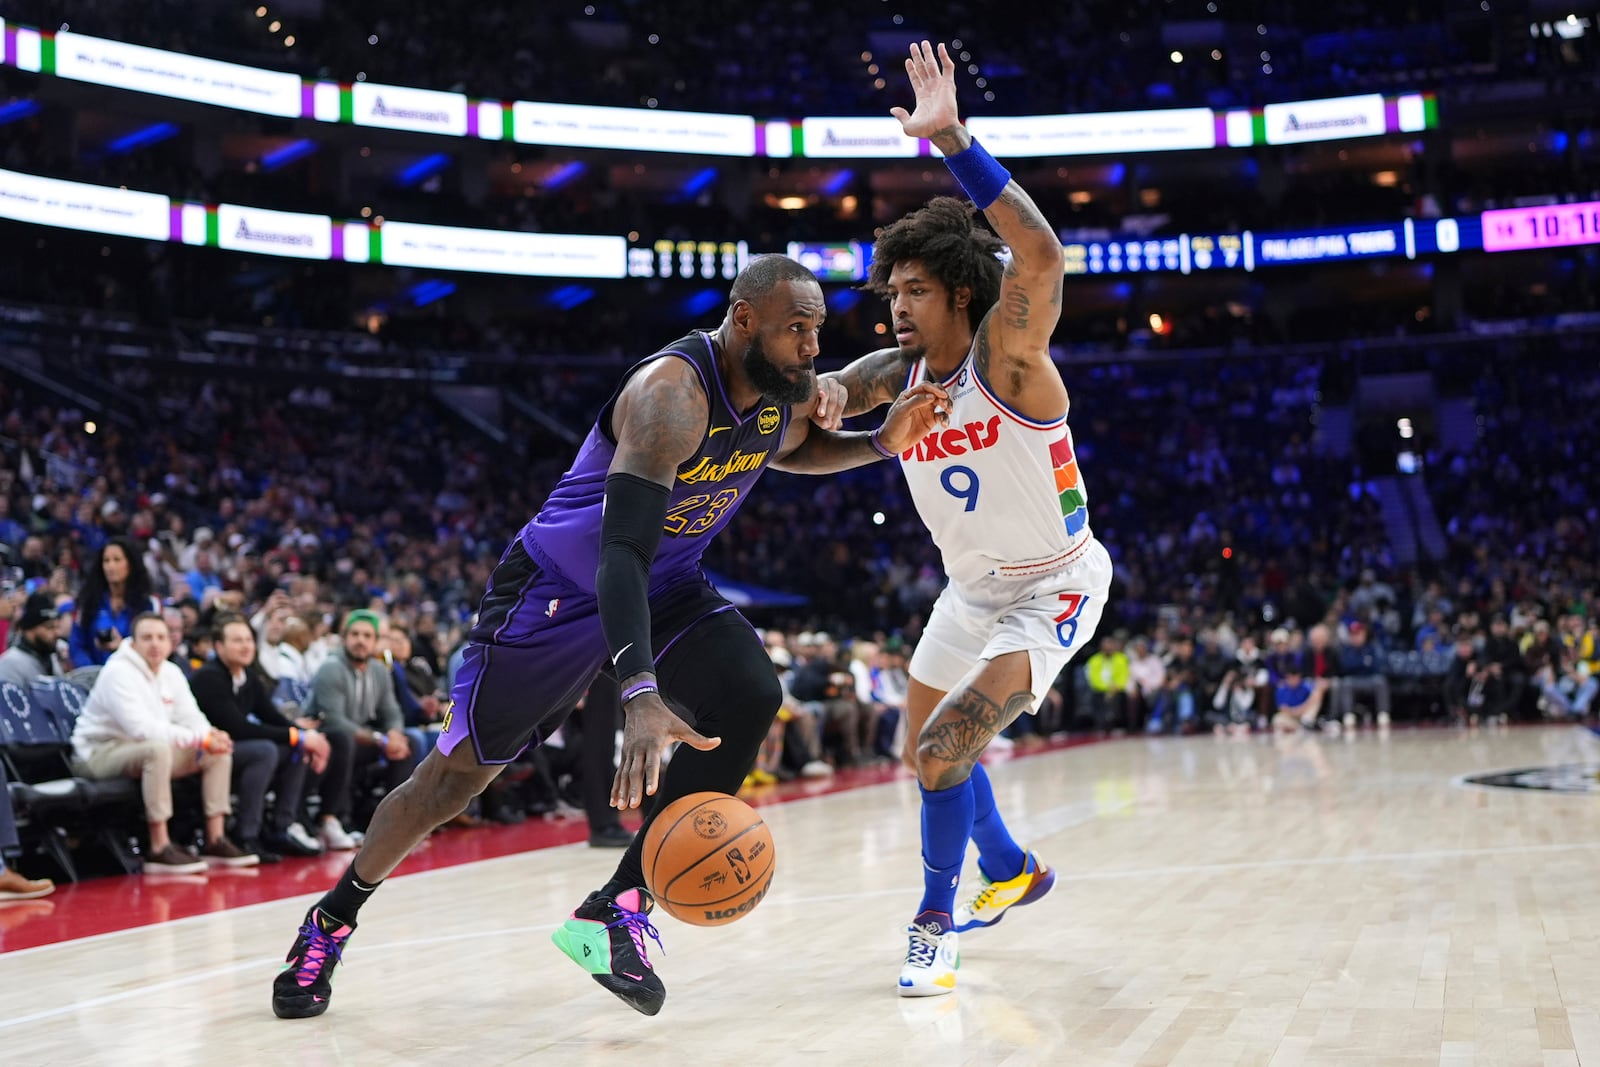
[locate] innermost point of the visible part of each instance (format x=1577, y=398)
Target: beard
x=774, y=384
x=43, y=647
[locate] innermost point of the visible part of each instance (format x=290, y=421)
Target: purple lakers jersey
x=707, y=491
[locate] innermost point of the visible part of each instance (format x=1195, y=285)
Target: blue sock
x=999, y=857
x=946, y=828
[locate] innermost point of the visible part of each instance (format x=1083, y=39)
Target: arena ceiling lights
x=176, y=76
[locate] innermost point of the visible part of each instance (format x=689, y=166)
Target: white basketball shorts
x=1050, y=618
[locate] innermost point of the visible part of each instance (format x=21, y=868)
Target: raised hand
x=934, y=80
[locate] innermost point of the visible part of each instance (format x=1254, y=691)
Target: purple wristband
x=877, y=445
x=638, y=690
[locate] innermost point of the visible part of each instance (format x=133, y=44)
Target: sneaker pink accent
x=633, y=913
x=321, y=944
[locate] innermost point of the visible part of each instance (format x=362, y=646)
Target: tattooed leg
x=970, y=716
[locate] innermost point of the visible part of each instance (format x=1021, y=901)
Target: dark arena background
x=305, y=307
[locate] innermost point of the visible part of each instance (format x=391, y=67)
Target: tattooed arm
x=873, y=380
x=809, y=449
x=1036, y=254
x=659, y=422
x=1012, y=350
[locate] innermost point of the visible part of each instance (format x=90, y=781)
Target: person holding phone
x=116, y=588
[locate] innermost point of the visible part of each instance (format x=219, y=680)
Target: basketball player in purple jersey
x=1000, y=492
x=608, y=575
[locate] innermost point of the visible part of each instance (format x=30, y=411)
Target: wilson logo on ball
x=721, y=914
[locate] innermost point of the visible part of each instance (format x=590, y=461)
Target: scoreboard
x=706, y=260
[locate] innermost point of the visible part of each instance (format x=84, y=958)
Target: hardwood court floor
x=1333, y=901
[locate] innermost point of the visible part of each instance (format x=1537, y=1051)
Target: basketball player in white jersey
x=1000, y=492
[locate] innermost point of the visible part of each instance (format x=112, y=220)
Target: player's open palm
x=933, y=77
x=650, y=730
x=917, y=412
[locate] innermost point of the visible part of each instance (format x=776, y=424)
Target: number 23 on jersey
x=699, y=513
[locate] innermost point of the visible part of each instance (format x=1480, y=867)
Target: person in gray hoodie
x=34, y=655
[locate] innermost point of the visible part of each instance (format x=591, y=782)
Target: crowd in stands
x=291, y=566
x=259, y=582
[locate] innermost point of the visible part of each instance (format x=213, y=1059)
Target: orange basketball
x=708, y=859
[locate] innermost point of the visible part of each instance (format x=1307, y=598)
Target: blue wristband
x=877, y=445
x=982, y=177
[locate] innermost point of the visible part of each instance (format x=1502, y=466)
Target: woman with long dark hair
x=116, y=587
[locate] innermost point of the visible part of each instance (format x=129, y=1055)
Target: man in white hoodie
x=141, y=721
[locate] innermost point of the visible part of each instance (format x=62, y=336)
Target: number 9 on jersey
x=961, y=483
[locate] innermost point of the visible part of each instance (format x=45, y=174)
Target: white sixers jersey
x=1000, y=493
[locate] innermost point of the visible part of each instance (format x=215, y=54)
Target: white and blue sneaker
x=932, y=956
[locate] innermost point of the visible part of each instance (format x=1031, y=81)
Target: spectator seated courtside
x=353, y=701
x=141, y=721
x=277, y=753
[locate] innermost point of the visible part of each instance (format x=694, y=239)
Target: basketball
x=708, y=859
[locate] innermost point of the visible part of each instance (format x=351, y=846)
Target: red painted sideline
x=104, y=905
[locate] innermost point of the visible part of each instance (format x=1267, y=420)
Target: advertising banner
x=394, y=107
x=583, y=126
x=857, y=138
x=1084, y=135
x=546, y=255
x=171, y=74
x=274, y=233
x=1325, y=120
x=76, y=206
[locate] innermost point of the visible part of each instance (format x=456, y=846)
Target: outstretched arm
x=1013, y=346
x=872, y=381
x=1036, y=255
x=809, y=449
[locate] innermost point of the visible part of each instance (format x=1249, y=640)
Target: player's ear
x=963, y=297
x=743, y=314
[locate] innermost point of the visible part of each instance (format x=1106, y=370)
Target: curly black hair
x=946, y=238
x=93, y=591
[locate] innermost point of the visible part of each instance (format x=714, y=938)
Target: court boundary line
x=1101, y=876
x=1057, y=748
